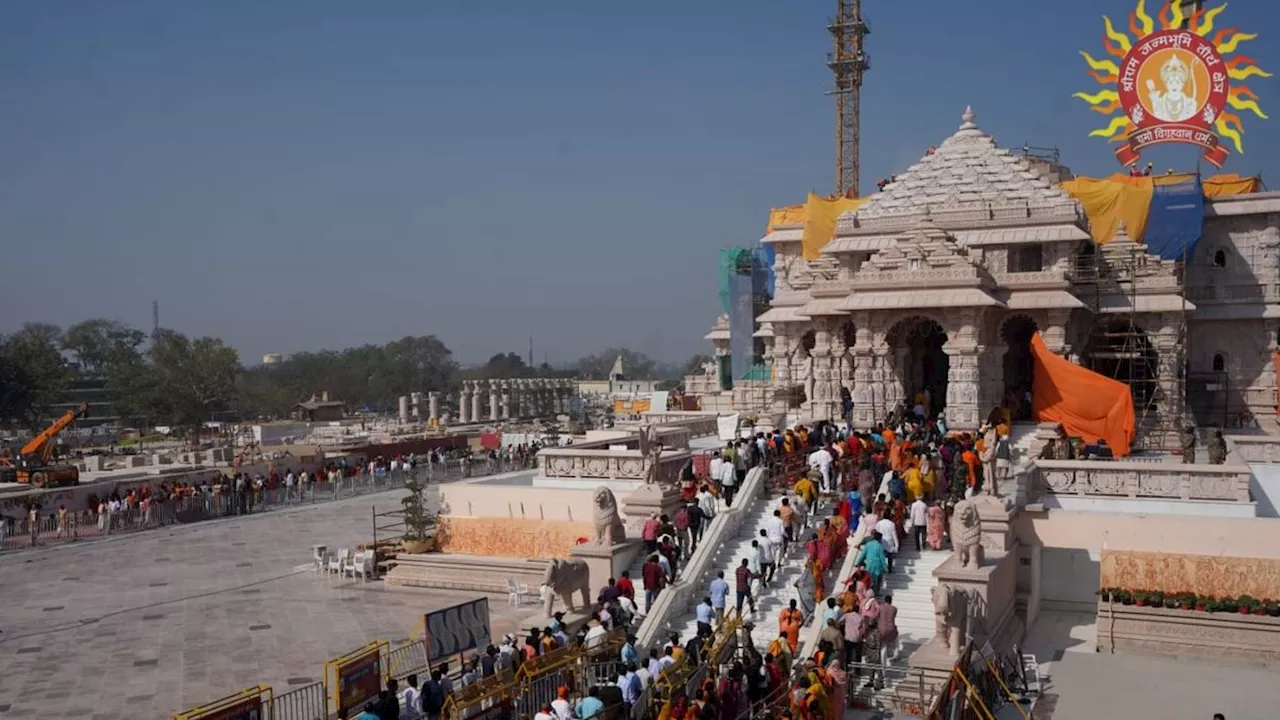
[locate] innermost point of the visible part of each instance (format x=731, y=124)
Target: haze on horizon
x=294, y=176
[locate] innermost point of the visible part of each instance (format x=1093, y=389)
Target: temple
x=936, y=284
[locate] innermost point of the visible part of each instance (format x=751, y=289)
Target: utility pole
x=155, y=320
x=848, y=64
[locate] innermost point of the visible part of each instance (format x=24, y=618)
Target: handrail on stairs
x=809, y=633
x=678, y=597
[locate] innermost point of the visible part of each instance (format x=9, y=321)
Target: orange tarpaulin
x=1228, y=184
x=1088, y=405
x=789, y=215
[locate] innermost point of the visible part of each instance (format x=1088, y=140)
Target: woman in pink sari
x=936, y=520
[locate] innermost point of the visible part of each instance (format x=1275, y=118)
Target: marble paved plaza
x=146, y=625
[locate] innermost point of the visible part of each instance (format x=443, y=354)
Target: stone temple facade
x=938, y=282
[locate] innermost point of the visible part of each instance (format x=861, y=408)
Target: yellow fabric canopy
x=1228, y=184
x=1109, y=200
x=1125, y=197
x=820, y=221
x=789, y=215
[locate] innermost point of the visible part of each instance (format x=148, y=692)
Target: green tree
x=181, y=381
x=635, y=365
x=98, y=343
x=33, y=374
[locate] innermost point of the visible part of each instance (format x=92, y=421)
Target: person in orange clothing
x=970, y=459
x=789, y=621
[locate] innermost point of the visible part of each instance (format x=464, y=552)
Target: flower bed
x=1195, y=625
x=1243, y=604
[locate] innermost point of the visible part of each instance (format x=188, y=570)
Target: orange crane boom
x=41, y=445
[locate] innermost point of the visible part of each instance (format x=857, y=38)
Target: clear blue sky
x=297, y=175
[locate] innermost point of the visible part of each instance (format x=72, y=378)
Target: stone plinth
x=468, y=572
x=637, y=506
x=996, y=519
x=606, y=561
x=1188, y=632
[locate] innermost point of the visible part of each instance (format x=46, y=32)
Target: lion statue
x=966, y=534
x=608, y=525
x=562, y=578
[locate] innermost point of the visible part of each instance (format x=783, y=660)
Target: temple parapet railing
x=1141, y=480
x=699, y=424
x=1255, y=448
x=604, y=464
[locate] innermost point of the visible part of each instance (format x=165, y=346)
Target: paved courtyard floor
x=146, y=625
x=1083, y=684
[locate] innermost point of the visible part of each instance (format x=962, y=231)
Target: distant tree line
x=171, y=379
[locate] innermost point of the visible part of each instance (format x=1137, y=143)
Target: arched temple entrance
x=1121, y=351
x=920, y=364
x=1019, y=366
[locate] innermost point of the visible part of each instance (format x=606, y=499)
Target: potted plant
x=1202, y=603
x=1124, y=596
x=1140, y=598
x=1273, y=608
x=419, y=524
x=1245, y=604
x=1155, y=598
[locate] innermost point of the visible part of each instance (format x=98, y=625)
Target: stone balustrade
x=1256, y=448
x=624, y=465
x=700, y=424
x=1141, y=480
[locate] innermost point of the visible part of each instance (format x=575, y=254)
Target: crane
x=848, y=64
x=33, y=461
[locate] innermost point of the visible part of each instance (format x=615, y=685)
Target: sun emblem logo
x=1173, y=83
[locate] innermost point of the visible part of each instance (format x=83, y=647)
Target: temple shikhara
x=937, y=284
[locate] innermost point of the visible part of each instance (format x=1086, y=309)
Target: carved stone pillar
x=864, y=408
x=476, y=400
x=505, y=388
x=1054, y=333
x=782, y=339
x=991, y=372
x=464, y=403
x=493, y=401
x=962, y=389
x=819, y=406
x=433, y=405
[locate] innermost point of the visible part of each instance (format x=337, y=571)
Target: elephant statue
x=562, y=578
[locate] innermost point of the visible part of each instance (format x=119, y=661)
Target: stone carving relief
x=950, y=612
x=1224, y=576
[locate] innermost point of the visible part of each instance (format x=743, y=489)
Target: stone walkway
x=149, y=624
x=1085, y=685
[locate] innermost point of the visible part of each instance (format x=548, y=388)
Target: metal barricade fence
x=18, y=532
x=409, y=659
x=305, y=703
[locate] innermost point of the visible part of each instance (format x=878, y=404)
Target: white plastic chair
x=347, y=563
x=319, y=556
x=513, y=592
x=334, y=565
x=363, y=565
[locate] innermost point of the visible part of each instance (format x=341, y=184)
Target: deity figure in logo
x=1173, y=104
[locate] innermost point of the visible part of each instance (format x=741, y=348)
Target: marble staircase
x=910, y=584
x=771, y=599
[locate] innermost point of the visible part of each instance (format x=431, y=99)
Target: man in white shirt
x=409, y=705
x=706, y=503
x=919, y=521
x=716, y=468
x=766, y=548
x=728, y=481
x=889, y=538
x=595, y=636
x=821, y=459
x=776, y=530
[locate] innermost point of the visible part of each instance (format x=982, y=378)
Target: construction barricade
x=357, y=677
x=248, y=704
x=305, y=703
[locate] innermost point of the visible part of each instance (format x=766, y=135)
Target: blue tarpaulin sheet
x=1176, y=218
x=742, y=323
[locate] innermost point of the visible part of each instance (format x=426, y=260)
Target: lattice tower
x=848, y=64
